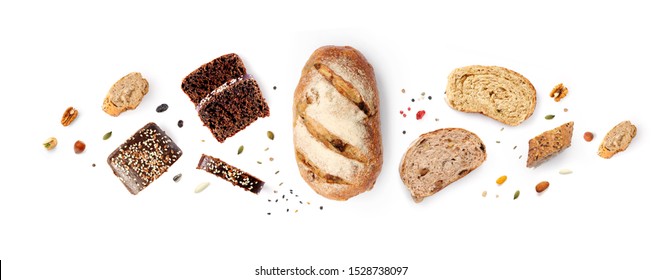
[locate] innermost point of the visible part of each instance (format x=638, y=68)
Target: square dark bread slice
x=144, y=157
x=230, y=173
x=549, y=143
x=212, y=75
x=232, y=107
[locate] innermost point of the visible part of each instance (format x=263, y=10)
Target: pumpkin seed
x=241, y=150
x=516, y=195
x=270, y=135
x=549, y=117
x=107, y=135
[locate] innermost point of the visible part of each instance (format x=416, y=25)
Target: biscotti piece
x=617, y=139
x=125, y=94
x=230, y=173
x=493, y=91
x=549, y=143
x=144, y=157
x=232, y=107
x=337, y=138
x=439, y=158
x=212, y=75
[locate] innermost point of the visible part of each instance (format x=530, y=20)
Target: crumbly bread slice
x=439, y=158
x=496, y=92
x=212, y=75
x=617, y=139
x=125, y=94
x=549, y=143
x=337, y=137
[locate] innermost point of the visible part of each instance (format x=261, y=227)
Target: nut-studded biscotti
x=617, y=139
x=496, y=92
x=439, y=158
x=337, y=136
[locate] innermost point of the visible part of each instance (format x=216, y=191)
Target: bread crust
x=501, y=95
x=549, y=143
x=342, y=77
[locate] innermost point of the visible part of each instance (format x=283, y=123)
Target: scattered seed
x=403, y=90
x=107, y=135
x=162, y=108
x=588, y=136
x=277, y=171
x=498, y=142
x=201, y=187
x=436, y=119
x=423, y=93
x=404, y=132
x=520, y=156
x=268, y=213
x=266, y=149
x=296, y=211
x=94, y=165
x=429, y=97
x=288, y=209
x=501, y=179
x=542, y=186
x=268, y=200
x=516, y=195
x=281, y=183
x=50, y=143
x=275, y=191
x=549, y=117
x=404, y=115
x=408, y=108
x=177, y=177
x=420, y=114
x=271, y=159
x=484, y=193
x=79, y=147
x=497, y=196
x=203, y=140
x=412, y=100
x=274, y=87
x=502, y=129
x=276, y=200
x=565, y=171
x=180, y=123
x=240, y=150
x=270, y=135
x=565, y=109
x=321, y=207
x=259, y=162
x=515, y=147
x=308, y=202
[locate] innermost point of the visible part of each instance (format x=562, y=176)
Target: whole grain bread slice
x=549, y=143
x=439, y=158
x=496, y=92
x=617, y=139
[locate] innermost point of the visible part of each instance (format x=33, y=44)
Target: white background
x=62, y=218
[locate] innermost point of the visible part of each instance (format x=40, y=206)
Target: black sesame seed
x=268, y=213
x=94, y=165
x=412, y=100
x=283, y=196
x=288, y=209
x=180, y=123
x=300, y=202
x=321, y=207
x=404, y=132
x=268, y=200
x=276, y=201
x=429, y=97
x=162, y=108
x=274, y=87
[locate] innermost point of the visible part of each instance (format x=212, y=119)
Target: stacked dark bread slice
x=226, y=98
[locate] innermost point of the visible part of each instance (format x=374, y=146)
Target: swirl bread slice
x=439, y=158
x=493, y=91
x=617, y=139
x=337, y=136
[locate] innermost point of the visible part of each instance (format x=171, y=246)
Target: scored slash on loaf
x=337, y=136
x=496, y=92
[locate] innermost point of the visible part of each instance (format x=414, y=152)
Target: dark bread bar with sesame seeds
x=232, y=107
x=212, y=75
x=230, y=173
x=144, y=157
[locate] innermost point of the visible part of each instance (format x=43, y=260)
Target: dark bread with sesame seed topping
x=230, y=173
x=439, y=158
x=144, y=157
x=212, y=75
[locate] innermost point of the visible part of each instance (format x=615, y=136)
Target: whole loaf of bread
x=337, y=138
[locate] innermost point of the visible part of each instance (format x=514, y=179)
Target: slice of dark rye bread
x=617, y=139
x=496, y=92
x=230, y=173
x=212, y=75
x=439, y=158
x=232, y=107
x=549, y=143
